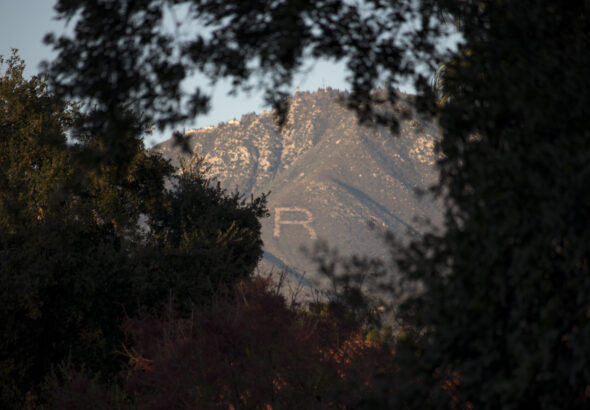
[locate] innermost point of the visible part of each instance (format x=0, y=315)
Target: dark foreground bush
x=252, y=351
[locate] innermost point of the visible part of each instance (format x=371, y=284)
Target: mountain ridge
x=328, y=175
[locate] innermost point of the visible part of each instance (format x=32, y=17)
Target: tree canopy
x=83, y=245
x=505, y=304
x=124, y=52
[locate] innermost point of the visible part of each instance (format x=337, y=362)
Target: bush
x=250, y=351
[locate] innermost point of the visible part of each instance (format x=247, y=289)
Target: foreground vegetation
x=132, y=286
x=496, y=313
x=86, y=242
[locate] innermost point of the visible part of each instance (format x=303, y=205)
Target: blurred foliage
x=496, y=304
x=505, y=287
x=125, y=53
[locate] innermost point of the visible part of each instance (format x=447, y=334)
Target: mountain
x=329, y=177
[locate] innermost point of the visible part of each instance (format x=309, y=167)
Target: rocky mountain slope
x=328, y=177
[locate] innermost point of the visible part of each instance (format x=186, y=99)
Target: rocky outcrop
x=329, y=177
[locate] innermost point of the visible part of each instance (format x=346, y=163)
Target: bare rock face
x=328, y=176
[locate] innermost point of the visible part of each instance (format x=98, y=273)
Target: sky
x=24, y=23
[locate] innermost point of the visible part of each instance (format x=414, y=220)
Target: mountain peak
x=329, y=177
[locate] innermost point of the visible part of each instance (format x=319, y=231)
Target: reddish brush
x=251, y=352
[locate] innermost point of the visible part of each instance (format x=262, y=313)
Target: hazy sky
x=23, y=23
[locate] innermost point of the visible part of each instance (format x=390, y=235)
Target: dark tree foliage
x=506, y=304
x=503, y=306
x=203, y=230
x=75, y=256
x=122, y=53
